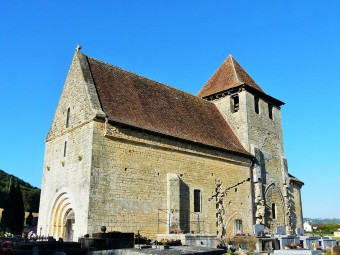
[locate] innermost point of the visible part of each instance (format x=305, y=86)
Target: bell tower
x=255, y=118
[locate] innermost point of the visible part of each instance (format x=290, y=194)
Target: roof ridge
x=146, y=78
x=229, y=75
x=211, y=76
x=233, y=64
x=140, y=102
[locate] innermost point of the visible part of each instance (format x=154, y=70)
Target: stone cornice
x=248, y=88
x=114, y=130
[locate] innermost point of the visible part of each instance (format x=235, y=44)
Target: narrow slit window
x=197, y=200
x=256, y=105
x=65, y=148
x=68, y=118
x=270, y=111
x=273, y=211
x=235, y=103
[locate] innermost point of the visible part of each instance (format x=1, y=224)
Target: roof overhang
x=248, y=88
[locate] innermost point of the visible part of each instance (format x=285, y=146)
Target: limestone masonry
x=133, y=154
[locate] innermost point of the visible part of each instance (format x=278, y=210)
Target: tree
x=32, y=200
x=14, y=214
x=19, y=212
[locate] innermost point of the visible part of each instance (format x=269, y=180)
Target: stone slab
x=299, y=231
x=178, y=250
x=297, y=252
x=192, y=239
x=258, y=229
x=280, y=230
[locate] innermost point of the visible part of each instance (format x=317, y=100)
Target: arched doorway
x=69, y=221
x=62, y=218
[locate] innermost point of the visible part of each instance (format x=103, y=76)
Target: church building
x=129, y=153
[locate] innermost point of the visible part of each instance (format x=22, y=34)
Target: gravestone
x=280, y=230
x=299, y=231
x=258, y=229
x=336, y=250
x=307, y=241
x=327, y=243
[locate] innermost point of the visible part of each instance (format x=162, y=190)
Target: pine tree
x=19, y=211
x=14, y=214
x=7, y=213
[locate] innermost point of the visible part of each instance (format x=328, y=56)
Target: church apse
x=274, y=211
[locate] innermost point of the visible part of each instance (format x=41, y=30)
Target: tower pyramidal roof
x=229, y=75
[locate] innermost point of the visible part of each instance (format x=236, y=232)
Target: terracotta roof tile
x=229, y=75
x=137, y=101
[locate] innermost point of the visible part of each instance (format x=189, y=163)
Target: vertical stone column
x=173, y=202
x=258, y=189
x=287, y=196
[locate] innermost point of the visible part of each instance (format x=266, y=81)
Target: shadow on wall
x=185, y=206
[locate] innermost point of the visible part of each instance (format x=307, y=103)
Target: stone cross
x=78, y=47
x=218, y=195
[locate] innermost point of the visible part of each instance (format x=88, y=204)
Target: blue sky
x=290, y=48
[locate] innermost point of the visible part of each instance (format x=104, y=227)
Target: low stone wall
x=107, y=243
x=192, y=239
x=192, y=250
x=253, y=243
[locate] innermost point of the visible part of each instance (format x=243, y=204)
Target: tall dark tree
x=19, y=212
x=32, y=200
x=14, y=214
x=8, y=209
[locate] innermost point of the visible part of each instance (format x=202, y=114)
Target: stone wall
x=261, y=136
x=129, y=182
x=68, y=156
x=295, y=192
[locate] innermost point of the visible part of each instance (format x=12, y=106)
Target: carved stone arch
x=274, y=199
x=230, y=223
x=62, y=205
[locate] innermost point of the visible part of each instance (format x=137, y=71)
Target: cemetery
x=112, y=243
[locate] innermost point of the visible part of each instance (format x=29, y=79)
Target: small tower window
x=234, y=103
x=256, y=105
x=68, y=118
x=273, y=211
x=65, y=148
x=238, y=226
x=197, y=200
x=270, y=111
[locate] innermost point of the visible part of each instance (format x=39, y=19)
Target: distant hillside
x=30, y=194
x=319, y=221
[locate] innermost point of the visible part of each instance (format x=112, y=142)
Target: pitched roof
x=133, y=100
x=229, y=75
x=294, y=179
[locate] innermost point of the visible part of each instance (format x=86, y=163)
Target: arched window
x=197, y=200
x=273, y=211
x=68, y=118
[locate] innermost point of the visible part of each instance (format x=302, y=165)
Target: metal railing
x=187, y=221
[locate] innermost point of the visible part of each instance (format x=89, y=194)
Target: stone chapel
x=130, y=153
